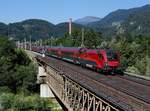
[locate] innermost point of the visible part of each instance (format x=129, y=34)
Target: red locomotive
x=98, y=59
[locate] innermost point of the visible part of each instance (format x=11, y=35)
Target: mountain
x=3, y=29
x=114, y=17
x=36, y=28
x=86, y=20
x=33, y=27
x=134, y=21
x=117, y=16
x=138, y=23
x=118, y=21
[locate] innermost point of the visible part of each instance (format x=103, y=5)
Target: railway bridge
x=78, y=89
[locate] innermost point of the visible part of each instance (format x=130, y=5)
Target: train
x=101, y=60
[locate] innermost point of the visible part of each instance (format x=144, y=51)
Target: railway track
x=128, y=94
x=132, y=88
x=136, y=79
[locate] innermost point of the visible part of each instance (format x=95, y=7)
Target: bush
x=20, y=102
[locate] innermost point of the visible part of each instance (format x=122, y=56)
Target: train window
x=100, y=56
x=111, y=55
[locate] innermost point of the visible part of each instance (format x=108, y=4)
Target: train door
x=101, y=61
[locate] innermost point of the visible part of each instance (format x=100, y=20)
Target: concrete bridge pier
x=45, y=91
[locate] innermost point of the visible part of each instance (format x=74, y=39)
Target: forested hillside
x=36, y=29
x=33, y=27
x=134, y=21
x=138, y=23
x=3, y=29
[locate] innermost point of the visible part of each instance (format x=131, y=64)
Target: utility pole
x=51, y=41
x=38, y=43
x=8, y=31
x=30, y=42
x=25, y=47
x=82, y=42
x=19, y=44
x=41, y=42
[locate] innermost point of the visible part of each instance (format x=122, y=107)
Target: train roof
x=67, y=48
x=74, y=49
x=70, y=49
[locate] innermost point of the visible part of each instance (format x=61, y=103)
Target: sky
x=57, y=11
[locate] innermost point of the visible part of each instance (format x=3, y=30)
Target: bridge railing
x=73, y=95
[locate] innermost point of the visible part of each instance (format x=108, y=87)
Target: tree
x=76, y=37
x=92, y=39
x=16, y=69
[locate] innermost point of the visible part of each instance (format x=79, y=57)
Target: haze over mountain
x=86, y=20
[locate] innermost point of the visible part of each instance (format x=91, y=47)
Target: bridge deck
x=122, y=92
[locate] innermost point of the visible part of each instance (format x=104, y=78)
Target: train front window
x=112, y=55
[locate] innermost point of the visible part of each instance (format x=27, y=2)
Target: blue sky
x=57, y=11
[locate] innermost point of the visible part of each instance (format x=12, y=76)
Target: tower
x=82, y=42
x=70, y=26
